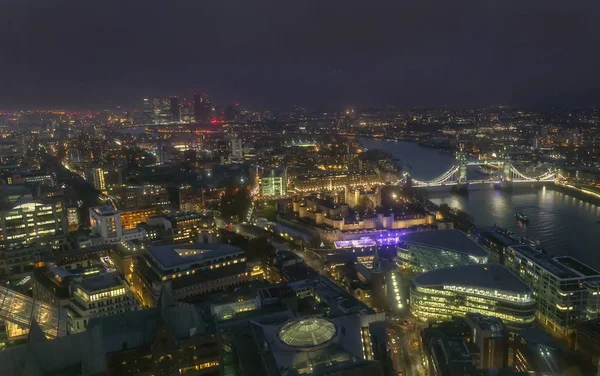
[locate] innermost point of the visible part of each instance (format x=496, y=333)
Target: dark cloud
x=272, y=52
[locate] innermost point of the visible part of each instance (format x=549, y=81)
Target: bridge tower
x=461, y=159
x=507, y=170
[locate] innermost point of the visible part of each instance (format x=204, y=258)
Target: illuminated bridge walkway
x=20, y=310
x=506, y=173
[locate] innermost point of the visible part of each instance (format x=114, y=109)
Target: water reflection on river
x=563, y=224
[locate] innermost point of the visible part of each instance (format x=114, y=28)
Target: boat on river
x=522, y=217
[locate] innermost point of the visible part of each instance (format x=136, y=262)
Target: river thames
x=563, y=224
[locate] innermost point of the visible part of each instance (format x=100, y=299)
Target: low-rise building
x=190, y=270
x=101, y=295
x=133, y=217
x=106, y=224
x=187, y=227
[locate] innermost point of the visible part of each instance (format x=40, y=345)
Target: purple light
x=362, y=242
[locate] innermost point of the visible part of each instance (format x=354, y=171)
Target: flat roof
x=486, y=276
x=100, y=282
x=495, y=234
x=104, y=210
x=562, y=267
x=452, y=240
x=173, y=254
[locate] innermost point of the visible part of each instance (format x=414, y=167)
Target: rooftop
x=183, y=216
x=495, y=234
x=100, y=282
x=173, y=255
x=485, y=276
x=487, y=323
x=563, y=267
x=307, y=332
x=104, y=210
x=451, y=240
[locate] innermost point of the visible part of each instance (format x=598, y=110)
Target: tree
x=259, y=249
x=235, y=203
x=445, y=212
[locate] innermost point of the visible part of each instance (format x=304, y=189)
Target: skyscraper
x=174, y=109
x=202, y=108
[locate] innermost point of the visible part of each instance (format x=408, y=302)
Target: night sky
x=90, y=54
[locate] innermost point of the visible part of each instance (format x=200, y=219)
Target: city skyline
x=311, y=54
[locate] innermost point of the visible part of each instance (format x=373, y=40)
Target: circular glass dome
x=308, y=332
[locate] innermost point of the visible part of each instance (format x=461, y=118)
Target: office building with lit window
x=429, y=250
x=100, y=295
x=141, y=197
x=106, y=224
x=190, y=270
x=187, y=227
x=566, y=290
x=489, y=289
x=103, y=177
x=131, y=218
x=28, y=227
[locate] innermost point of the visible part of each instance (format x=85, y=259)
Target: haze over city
x=297, y=188
x=79, y=55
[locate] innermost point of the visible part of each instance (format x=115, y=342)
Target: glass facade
x=307, y=332
x=19, y=311
x=423, y=258
x=445, y=302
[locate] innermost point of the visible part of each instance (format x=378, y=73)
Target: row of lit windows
x=102, y=295
x=215, y=266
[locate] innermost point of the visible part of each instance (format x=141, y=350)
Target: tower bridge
x=507, y=174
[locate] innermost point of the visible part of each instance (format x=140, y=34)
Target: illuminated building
x=101, y=295
x=105, y=222
x=103, y=177
x=429, y=250
x=30, y=178
x=18, y=312
x=187, y=227
x=237, y=150
x=190, y=270
x=331, y=218
x=337, y=180
x=131, y=218
x=357, y=196
x=142, y=197
x=27, y=227
x=162, y=110
x=274, y=184
x=190, y=198
x=566, y=290
x=489, y=289
x=73, y=218
x=165, y=340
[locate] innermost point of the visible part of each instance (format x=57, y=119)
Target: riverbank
x=576, y=193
